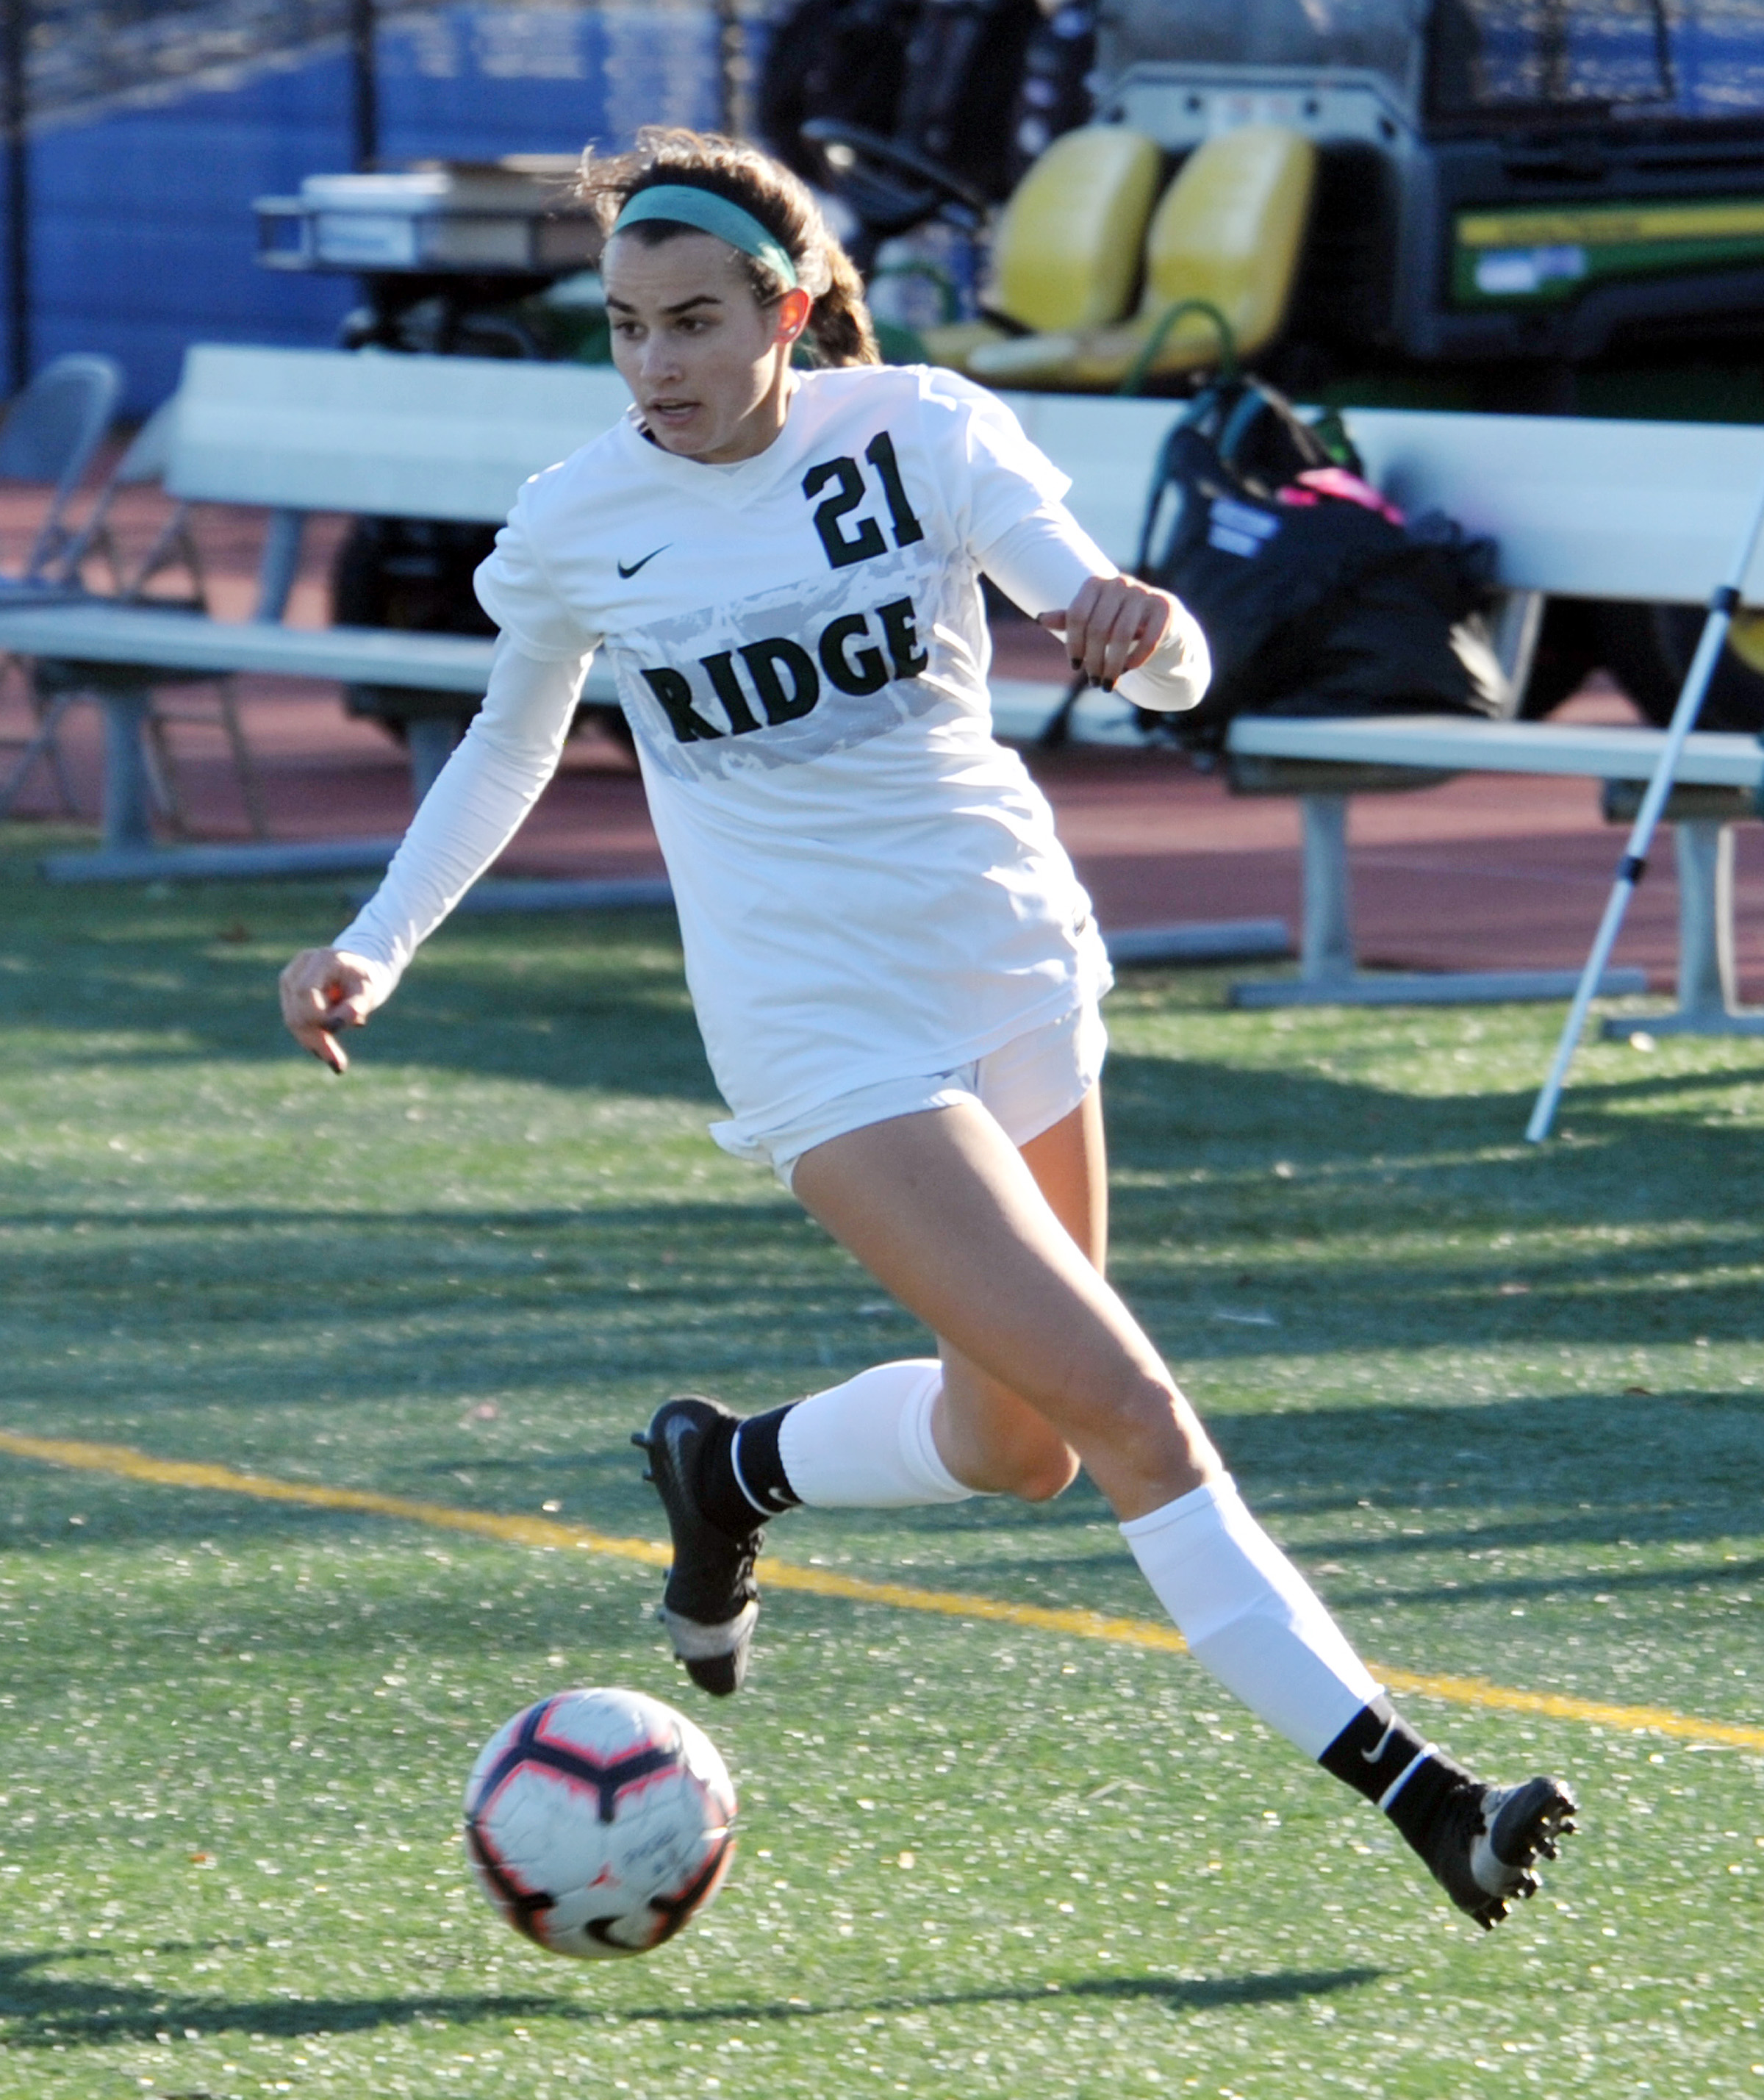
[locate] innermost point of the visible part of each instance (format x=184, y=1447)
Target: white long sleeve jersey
x=869, y=885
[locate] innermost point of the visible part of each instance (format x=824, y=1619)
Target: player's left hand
x=1113, y=625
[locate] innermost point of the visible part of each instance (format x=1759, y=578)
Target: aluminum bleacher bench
x=1721, y=779
x=296, y=432
x=303, y=431
x=1577, y=508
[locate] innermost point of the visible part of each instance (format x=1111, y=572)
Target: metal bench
x=299, y=431
x=1721, y=780
x=1577, y=508
x=368, y=434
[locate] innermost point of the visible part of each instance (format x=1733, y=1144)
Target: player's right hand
x=326, y=989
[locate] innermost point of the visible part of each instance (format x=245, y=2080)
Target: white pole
x=1722, y=605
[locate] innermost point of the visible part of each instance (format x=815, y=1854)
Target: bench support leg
x=1707, y=980
x=279, y=564
x=429, y=739
x=1327, y=975
x=128, y=794
x=1326, y=953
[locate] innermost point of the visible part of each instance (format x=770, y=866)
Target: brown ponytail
x=839, y=330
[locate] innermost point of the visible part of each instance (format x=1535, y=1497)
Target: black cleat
x=712, y=1600
x=1486, y=1840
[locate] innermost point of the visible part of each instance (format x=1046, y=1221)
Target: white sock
x=1249, y=1616
x=866, y=1444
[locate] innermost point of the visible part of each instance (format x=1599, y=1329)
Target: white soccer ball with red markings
x=599, y=1823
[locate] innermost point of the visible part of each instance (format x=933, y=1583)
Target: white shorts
x=1028, y=1085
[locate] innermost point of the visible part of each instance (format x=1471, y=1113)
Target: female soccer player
x=894, y=968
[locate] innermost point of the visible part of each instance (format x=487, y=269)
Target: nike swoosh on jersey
x=628, y=573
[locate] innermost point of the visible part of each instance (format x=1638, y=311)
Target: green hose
x=1160, y=334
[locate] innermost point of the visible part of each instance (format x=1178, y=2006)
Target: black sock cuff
x=1378, y=1751
x=759, y=1467
x=1373, y=1751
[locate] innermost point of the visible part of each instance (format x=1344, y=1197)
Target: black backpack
x=1315, y=596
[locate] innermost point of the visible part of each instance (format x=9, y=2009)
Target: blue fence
x=144, y=239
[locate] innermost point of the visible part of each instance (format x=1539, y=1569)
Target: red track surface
x=1487, y=872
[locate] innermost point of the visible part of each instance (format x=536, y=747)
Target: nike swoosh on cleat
x=628, y=573
x=682, y=1437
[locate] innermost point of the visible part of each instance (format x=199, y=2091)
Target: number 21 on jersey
x=849, y=490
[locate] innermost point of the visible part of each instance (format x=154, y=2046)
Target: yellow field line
x=121, y=1461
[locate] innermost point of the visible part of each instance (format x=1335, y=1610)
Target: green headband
x=682, y=204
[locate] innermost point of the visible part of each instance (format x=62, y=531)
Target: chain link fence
x=137, y=133
x=83, y=61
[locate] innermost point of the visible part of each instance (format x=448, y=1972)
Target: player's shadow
x=1517, y=1589
x=51, y=2012
x=1184, y=1994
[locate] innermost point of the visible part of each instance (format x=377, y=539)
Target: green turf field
x=1507, y=1406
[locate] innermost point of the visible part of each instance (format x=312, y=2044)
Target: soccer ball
x=598, y=1822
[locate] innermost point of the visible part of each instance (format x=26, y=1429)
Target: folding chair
x=49, y=434
x=58, y=687
x=144, y=463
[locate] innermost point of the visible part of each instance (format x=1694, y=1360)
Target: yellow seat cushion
x=1027, y=360
x=1229, y=230
x=1066, y=255
x=954, y=342
x=1067, y=252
